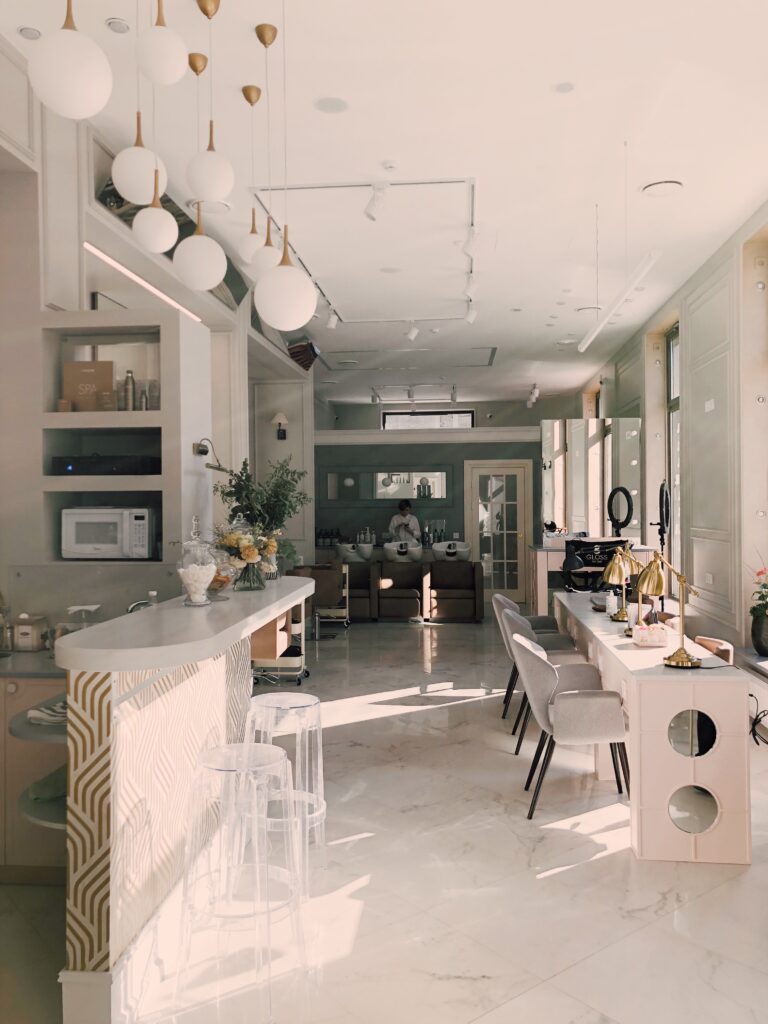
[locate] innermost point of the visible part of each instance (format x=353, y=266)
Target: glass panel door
x=498, y=501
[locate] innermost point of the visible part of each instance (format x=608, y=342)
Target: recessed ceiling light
x=28, y=32
x=331, y=105
x=434, y=330
x=390, y=270
x=329, y=382
x=389, y=165
x=640, y=288
x=119, y=25
x=667, y=187
x=565, y=87
x=549, y=325
x=560, y=302
x=348, y=362
x=588, y=309
x=517, y=309
x=567, y=291
x=565, y=342
x=554, y=316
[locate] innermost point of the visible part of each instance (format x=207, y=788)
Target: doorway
x=498, y=521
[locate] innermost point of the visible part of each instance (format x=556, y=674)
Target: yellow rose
x=250, y=554
x=271, y=548
x=230, y=540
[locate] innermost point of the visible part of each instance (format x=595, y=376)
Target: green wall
x=449, y=456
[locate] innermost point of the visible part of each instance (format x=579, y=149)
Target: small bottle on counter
x=152, y=598
x=144, y=400
x=129, y=391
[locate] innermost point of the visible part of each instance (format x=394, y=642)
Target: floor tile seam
x=547, y=982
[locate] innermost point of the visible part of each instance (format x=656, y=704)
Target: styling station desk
x=146, y=693
x=546, y=558
x=669, y=782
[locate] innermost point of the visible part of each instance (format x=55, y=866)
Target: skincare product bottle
x=129, y=386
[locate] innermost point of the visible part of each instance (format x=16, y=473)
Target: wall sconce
x=280, y=420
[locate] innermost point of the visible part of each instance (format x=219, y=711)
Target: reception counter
x=146, y=693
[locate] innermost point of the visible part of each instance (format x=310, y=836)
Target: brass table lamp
x=631, y=565
x=651, y=582
x=615, y=574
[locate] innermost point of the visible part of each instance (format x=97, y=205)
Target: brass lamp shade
x=651, y=580
x=615, y=574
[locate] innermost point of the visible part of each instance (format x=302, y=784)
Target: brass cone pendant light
x=133, y=168
x=285, y=297
x=210, y=175
x=266, y=257
x=249, y=246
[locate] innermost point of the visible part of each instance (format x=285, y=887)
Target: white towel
x=54, y=714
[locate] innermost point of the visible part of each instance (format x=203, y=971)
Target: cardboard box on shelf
x=82, y=382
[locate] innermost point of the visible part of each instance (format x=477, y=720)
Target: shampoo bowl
x=354, y=552
x=399, y=551
x=451, y=551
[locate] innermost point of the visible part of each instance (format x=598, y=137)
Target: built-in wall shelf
x=56, y=484
x=48, y=813
x=101, y=420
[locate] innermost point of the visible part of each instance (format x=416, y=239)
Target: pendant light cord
x=597, y=261
x=626, y=211
x=269, y=133
x=210, y=64
x=285, y=116
x=136, y=59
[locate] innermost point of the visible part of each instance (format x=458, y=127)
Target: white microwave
x=113, y=533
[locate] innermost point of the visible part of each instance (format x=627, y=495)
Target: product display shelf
x=102, y=420
x=20, y=726
x=153, y=482
x=46, y=813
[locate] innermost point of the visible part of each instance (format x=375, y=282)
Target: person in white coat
x=404, y=526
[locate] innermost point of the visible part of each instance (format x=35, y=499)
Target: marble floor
x=437, y=901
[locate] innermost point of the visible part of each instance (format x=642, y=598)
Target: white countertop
x=171, y=634
x=645, y=662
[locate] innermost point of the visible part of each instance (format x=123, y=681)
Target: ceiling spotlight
x=471, y=290
x=657, y=189
x=28, y=32
x=470, y=246
x=333, y=320
x=413, y=334
x=471, y=314
x=373, y=208
x=118, y=25
x=329, y=382
x=588, y=309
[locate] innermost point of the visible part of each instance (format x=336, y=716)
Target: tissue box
x=655, y=635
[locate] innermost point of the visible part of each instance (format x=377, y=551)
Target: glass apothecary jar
x=196, y=567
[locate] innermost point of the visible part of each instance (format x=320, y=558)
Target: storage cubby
x=63, y=448
x=55, y=501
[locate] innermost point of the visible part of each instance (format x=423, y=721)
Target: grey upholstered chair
x=560, y=646
x=570, y=706
x=539, y=623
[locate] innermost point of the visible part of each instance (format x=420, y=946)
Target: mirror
x=693, y=809
x=692, y=733
x=583, y=461
x=387, y=485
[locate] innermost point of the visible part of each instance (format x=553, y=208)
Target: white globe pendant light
x=154, y=228
x=133, y=171
x=69, y=72
x=285, y=297
x=210, y=175
x=161, y=53
x=199, y=261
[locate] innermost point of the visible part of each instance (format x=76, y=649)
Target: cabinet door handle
x=12, y=688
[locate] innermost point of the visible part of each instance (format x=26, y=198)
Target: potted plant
x=266, y=505
x=759, y=613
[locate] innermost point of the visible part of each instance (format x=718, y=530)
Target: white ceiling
x=468, y=92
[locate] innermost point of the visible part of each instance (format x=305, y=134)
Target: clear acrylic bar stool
x=243, y=882
x=273, y=716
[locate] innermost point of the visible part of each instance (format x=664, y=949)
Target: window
x=674, y=554
x=461, y=419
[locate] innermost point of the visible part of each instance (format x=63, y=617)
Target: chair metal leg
x=545, y=764
x=624, y=761
x=616, y=772
x=523, y=727
x=536, y=758
x=513, y=677
x=520, y=712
